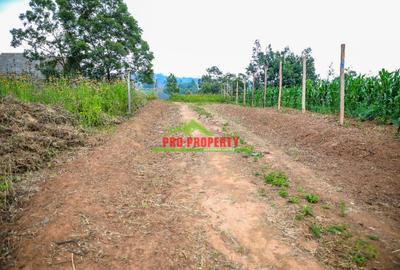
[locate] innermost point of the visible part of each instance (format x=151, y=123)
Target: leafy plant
x=342, y=208
x=316, y=230
x=294, y=199
x=283, y=192
x=363, y=251
x=278, y=179
x=312, y=198
x=336, y=229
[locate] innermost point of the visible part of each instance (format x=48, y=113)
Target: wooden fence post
x=129, y=91
x=303, y=92
x=265, y=86
x=237, y=91
x=252, y=93
x=342, y=56
x=280, y=85
x=244, y=92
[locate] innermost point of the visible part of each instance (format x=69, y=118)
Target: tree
x=212, y=82
x=95, y=38
x=172, y=85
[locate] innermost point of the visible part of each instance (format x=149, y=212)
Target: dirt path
x=124, y=206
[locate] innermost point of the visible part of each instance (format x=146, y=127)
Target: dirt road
x=123, y=206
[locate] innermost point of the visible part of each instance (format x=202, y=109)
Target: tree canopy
x=172, y=85
x=94, y=38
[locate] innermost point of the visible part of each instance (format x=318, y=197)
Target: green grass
x=304, y=212
x=199, y=98
x=336, y=229
x=277, y=178
x=92, y=103
x=312, y=198
x=283, y=192
x=294, y=200
x=189, y=127
x=201, y=111
x=315, y=230
x=342, y=208
x=362, y=252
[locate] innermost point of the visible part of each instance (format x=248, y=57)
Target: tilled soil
x=123, y=206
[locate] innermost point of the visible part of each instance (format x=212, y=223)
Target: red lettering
x=235, y=141
x=189, y=141
x=196, y=142
x=222, y=142
x=165, y=141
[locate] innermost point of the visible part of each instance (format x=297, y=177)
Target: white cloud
x=188, y=36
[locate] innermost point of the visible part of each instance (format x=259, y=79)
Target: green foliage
x=97, y=38
x=283, y=192
x=342, y=208
x=201, y=111
x=172, y=85
x=92, y=103
x=304, y=212
x=373, y=237
x=198, y=98
x=294, y=199
x=278, y=179
x=363, y=251
x=336, y=229
x=312, y=198
x=188, y=128
x=315, y=230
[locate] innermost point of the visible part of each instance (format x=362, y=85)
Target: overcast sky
x=188, y=36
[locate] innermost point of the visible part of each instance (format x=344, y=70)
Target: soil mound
x=31, y=134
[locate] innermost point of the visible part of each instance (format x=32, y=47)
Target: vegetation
x=97, y=39
x=312, y=198
x=316, y=230
x=342, y=208
x=363, y=251
x=336, y=229
x=203, y=98
x=278, y=179
x=92, y=103
x=172, y=85
x=294, y=199
x=201, y=111
x=283, y=192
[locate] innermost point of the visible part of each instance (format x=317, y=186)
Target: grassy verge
x=199, y=98
x=92, y=103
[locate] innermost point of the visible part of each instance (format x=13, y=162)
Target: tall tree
x=172, y=85
x=95, y=38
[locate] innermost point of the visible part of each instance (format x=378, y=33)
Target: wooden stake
x=342, y=56
x=265, y=86
x=129, y=91
x=237, y=91
x=280, y=85
x=303, y=92
x=244, y=92
x=252, y=93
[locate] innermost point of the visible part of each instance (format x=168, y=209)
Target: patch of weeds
x=278, y=179
x=283, y=192
x=304, y=212
x=245, y=150
x=373, y=237
x=316, y=230
x=342, y=208
x=312, y=198
x=336, y=229
x=225, y=127
x=362, y=252
x=294, y=199
x=201, y=111
x=188, y=128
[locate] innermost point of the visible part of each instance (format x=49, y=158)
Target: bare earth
x=123, y=206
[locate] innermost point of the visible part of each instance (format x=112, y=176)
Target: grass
x=336, y=229
x=315, y=230
x=342, y=208
x=92, y=103
x=283, y=192
x=362, y=252
x=201, y=111
x=198, y=98
x=189, y=127
x=294, y=200
x=278, y=179
x=304, y=212
x=312, y=198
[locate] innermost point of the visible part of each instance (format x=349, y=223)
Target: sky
x=188, y=36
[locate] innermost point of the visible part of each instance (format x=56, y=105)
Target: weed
x=245, y=150
x=301, y=190
x=278, y=179
x=316, y=230
x=304, y=212
x=201, y=111
x=199, y=98
x=325, y=206
x=294, y=199
x=283, y=192
x=187, y=129
x=342, y=208
x=336, y=229
x=373, y=237
x=312, y=198
x=363, y=251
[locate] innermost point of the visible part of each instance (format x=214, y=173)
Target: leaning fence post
x=129, y=91
x=280, y=85
x=342, y=55
x=237, y=91
x=303, y=92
